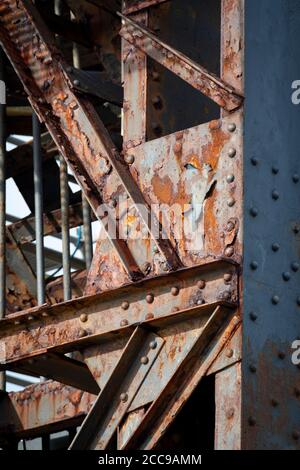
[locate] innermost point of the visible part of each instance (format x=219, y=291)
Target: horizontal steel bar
x=197, y=76
x=77, y=323
x=138, y=5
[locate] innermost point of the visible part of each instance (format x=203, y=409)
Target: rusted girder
x=138, y=5
x=42, y=408
x=23, y=230
x=78, y=323
x=73, y=122
x=197, y=76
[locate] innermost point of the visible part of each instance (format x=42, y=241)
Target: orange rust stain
x=163, y=189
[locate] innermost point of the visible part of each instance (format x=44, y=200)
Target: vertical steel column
x=86, y=210
x=2, y=210
x=38, y=208
x=64, y=202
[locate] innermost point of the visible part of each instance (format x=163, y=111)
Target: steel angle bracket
x=112, y=403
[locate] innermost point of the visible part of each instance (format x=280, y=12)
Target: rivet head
x=275, y=195
x=155, y=250
x=129, y=159
x=149, y=316
x=30, y=317
x=296, y=435
x=17, y=322
x=82, y=333
x=231, y=202
x=149, y=298
x=295, y=266
x=254, y=211
x=175, y=309
x=251, y=421
x=177, y=147
x=201, y=284
x=227, y=277
x=229, y=353
x=230, y=226
x=296, y=178
x=231, y=152
x=76, y=82
x=83, y=317
x=274, y=402
x=124, y=322
x=296, y=228
x=297, y=392
x=229, y=251
x=153, y=344
x=275, y=247
x=230, y=178
x=254, y=161
x=123, y=397
x=254, y=265
x=125, y=305
x=253, y=316
x=275, y=299
x=252, y=368
x=275, y=170
x=226, y=295
x=298, y=301
x=144, y=360
x=281, y=355
x=230, y=413
x=231, y=127
x=175, y=290
x=200, y=302
x=286, y=276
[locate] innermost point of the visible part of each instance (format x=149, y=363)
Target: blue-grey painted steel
x=271, y=284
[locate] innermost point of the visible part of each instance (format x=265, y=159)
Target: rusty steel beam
x=42, y=408
x=162, y=412
x=23, y=230
x=80, y=322
x=73, y=123
x=194, y=74
x=133, y=7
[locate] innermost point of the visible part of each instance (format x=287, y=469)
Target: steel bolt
x=83, y=317
x=30, y=317
x=144, y=360
x=129, y=159
x=281, y=355
x=149, y=298
x=275, y=247
x=124, y=322
x=201, y=284
x=296, y=435
x=155, y=250
x=229, y=251
x=231, y=127
x=156, y=101
x=275, y=195
x=123, y=397
x=286, y=276
x=17, y=322
x=155, y=75
x=226, y=295
x=296, y=178
x=230, y=178
x=295, y=266
x=231, y=152
x=254, y=211
x=231, y=202
x=254, y=161
x=175, y=290
x=177, y=147
x=252, y=368
x=156, y=128
x=153, y=344
x=200, y=302
x=297, y=391
x=275, y=170
x=125, y=305
x=230, y=226
x=76, y=82
x=230, y=413
x=275, y=300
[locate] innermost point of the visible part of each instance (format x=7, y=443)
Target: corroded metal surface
x=82, y=321
x=43, y=407
x=220, y=92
